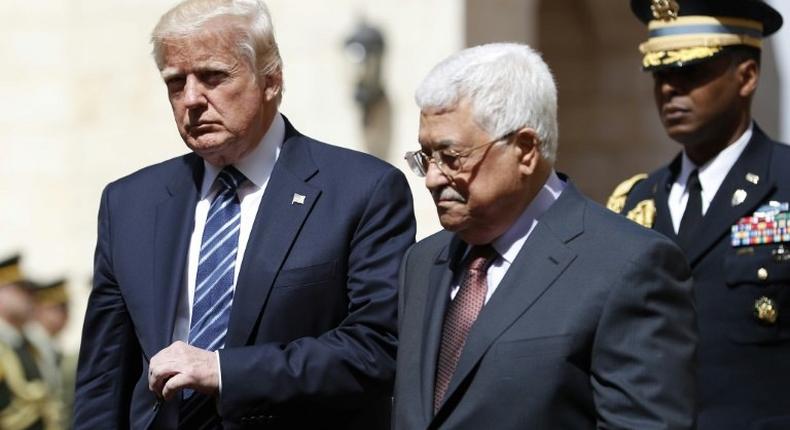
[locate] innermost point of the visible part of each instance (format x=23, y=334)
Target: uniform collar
x=712, y=173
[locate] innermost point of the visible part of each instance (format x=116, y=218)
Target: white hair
x=508, y=85
x=257, y=43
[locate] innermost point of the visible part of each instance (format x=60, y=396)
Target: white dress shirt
x=257, y=166
x=711, y=175
x=510, y=243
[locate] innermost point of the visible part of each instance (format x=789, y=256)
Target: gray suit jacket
x=592, y=327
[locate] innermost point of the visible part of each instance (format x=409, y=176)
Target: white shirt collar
x=257, y=166
x=712, y=173
x=509, y=244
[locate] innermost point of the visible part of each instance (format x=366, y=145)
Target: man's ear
x=273, y=85
x=528, y=144
x=748, y=73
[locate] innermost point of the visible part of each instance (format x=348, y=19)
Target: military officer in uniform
x=724, y=200
x=25, y=402
x=49, y=317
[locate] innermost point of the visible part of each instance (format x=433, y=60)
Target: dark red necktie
x=461, y=314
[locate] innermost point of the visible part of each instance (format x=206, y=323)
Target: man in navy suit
x=535, y=308
x=252, y=282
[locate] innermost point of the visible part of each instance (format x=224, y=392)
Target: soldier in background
x=25, y=402
x=724, y=200
x=49, y=317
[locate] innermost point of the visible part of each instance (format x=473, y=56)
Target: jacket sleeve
x=643, y=357
x=109, y=362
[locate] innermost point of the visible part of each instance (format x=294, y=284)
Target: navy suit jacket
x=312, y=333
x=744, y=364
x=591, y=327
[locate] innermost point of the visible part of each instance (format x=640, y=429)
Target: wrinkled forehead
x=200, y=53
x=449, y=127
x=438, y=126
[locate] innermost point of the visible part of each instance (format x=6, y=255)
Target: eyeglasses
x=449, y=161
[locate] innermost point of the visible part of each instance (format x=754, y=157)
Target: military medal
x=769, y=224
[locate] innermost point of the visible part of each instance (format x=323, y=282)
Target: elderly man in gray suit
x=535, y=308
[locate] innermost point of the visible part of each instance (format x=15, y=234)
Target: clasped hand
x=180, y=366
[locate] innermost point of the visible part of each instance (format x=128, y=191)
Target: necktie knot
x=230, y=178
x=693, y=184
x=480, y=257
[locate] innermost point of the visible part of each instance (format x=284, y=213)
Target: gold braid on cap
x=659, y=58
x=10, y=274
x=53, y=295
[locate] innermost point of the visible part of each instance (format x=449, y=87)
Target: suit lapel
x=723, y=213
x=276, y=226
x=542, y=259
x=439, y=282
x=175, y=219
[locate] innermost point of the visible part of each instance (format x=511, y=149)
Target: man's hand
x=182, y=366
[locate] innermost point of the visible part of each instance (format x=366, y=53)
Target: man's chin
x=219, y=157
x=681, y=133
x=206, y=146
x=451, y=222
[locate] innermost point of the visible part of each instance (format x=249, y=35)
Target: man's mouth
x=201, y=128
x=672, y=112
x=447, y=195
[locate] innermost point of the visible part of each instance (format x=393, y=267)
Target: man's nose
x=194, y=92
x=435, y=178
x=668, y=84
x=667, y=88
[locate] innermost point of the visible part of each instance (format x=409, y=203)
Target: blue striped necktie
x=216, y=267
x=213, y=290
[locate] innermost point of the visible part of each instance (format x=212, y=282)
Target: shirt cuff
x=219, y=374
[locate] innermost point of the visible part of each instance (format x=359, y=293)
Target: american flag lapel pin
x=298, y=199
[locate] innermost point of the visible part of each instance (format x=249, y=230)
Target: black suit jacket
x=744, y=365
x=592, y=326
x=311, y=339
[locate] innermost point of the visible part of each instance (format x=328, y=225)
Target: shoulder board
x=616, y=201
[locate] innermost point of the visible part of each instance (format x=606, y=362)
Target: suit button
x=762, y=274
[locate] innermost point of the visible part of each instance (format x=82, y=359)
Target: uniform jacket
x=744, y=364
x=312, y=334
x=591, y=327
x=25, y=401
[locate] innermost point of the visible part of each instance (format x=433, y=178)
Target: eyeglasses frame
x=413, y=158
